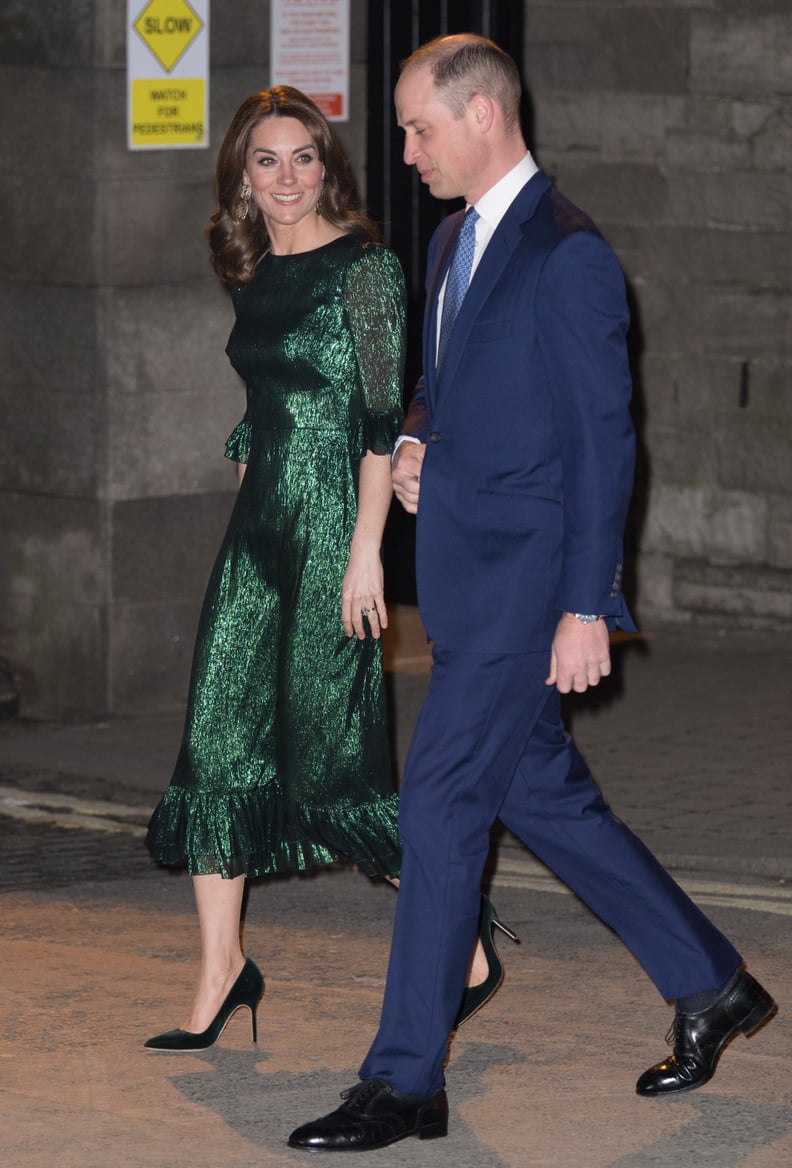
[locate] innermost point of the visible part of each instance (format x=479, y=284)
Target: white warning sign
x=167, y=74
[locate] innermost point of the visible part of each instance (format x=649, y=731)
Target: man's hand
x=406, y=474
x=580, y=654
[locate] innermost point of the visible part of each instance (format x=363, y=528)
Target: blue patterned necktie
x=458, y=279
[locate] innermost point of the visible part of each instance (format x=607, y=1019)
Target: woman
x=285, y=763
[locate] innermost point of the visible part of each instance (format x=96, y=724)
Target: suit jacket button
x=434, y=436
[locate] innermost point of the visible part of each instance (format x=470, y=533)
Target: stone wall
x=671, y=123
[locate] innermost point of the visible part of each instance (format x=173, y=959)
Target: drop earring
x=318, y=205
x=243, y=206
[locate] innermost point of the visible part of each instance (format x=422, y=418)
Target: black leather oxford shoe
x=374, y=1115
x=700, y=1038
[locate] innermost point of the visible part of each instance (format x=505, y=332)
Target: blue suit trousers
x=490, y=743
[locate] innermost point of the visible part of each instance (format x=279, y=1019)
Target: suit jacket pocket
x=511, y=511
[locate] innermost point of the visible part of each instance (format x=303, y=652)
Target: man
x=517, y=457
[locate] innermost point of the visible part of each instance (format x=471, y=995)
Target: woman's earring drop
x=243, y=206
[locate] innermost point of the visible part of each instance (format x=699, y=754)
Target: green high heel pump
x=246, y=991
x=477, y=996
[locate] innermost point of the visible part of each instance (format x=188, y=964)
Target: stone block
x=624, y=126
x=692, y=150
x=358, y=38
x=173, y=397
x=735, y=322
x=352, y=133
x=52, y=627
x=150, y=650
x=639, y=125
x=680, y=389
x=759, y=7
x=240, y=32
x=51, y=548
x=163, y=549
x=779, y=532
x=592, y=47
x=753, y=454
x=654, y=584
x=743, y=53
x=749, y=119
x=743, y=321
x=47, y=35
x=703, y=254
x=682, y=453
x=749, y=596
x=66, y=250
x=713, y=384
x=153, y=231
x=623, y=193
x=50, y=440
x=749, y=200
x=770, y=391
x=569, y=122
x=772, y=146
x=706, y=522
x=63, y=103
x=64, y=676
x=110, y=23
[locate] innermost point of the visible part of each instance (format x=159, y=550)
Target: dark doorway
x=395, y=197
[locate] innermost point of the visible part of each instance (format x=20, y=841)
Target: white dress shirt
x=491, y=208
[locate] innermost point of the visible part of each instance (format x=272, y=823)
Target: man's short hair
x=466, y=64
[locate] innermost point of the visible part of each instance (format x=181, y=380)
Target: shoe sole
x=432, y=1131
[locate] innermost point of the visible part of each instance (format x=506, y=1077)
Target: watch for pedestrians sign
x=167, y=74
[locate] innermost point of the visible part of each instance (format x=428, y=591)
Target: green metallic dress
x=285, y=763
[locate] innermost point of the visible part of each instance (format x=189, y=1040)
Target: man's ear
x=483, y=110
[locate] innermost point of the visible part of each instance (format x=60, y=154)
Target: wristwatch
x=587, y=617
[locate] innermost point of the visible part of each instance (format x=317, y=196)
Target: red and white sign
x=309, y=49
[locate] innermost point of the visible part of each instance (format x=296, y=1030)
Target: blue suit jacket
x=530, y=446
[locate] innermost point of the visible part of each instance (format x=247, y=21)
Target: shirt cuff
x=400, y=440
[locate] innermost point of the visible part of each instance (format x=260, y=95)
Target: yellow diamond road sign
x=168, y=28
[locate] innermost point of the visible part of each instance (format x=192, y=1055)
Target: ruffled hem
x=238, y=442
x=380, y=431
x=233, y=835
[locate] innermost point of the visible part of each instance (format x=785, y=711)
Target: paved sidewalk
x=691, y=741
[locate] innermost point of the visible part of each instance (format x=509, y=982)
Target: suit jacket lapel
x=499, y=251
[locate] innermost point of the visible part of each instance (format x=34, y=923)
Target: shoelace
x=359, y=1095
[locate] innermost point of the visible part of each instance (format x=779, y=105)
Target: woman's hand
x=362, y=594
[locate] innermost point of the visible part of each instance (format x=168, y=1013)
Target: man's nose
x=410, y=151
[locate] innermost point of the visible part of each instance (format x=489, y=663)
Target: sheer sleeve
x=375, y=302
